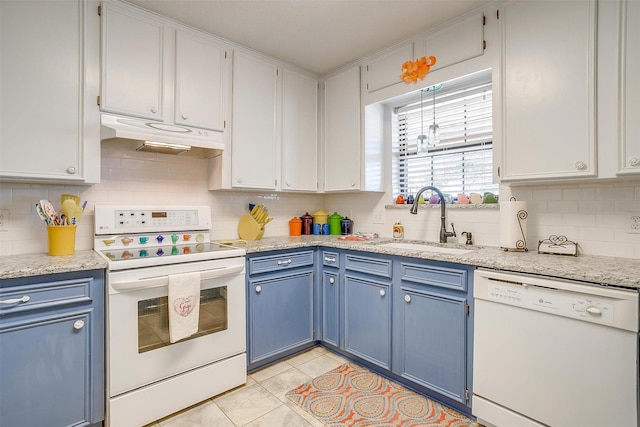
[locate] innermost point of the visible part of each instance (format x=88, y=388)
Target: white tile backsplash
x=595, y=215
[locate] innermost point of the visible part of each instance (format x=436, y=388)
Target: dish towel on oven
x=184, y=305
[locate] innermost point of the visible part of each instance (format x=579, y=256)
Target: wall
x=595, y=215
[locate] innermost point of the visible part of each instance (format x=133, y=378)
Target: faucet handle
x=453, y=232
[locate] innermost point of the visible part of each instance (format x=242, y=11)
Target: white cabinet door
x=44, y=66
x=199, y=81
x=342, y=145
x=458, y=42
x=132, y=73
x=548, y=89
x=630, y=86
x=299, y=132
x=253, y=145
x=385, y=70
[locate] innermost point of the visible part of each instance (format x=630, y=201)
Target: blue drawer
x=24, y=298
x=377, y=267
x=451, y=278
x=330, y=259
x=267, y=264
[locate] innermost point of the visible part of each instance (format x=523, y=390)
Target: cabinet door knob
x=580, y=165
x=78, y=324
x=153, y=110
x=634, y=161
x=258, y=289
x=382, y=292
x=16, y=300
x=332, y=280
x=184, y=116
x=407, y=298
x=71, y=170
x=353, y=184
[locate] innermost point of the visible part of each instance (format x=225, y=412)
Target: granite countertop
x=601, y=270
x=14, y=266
x=609, y=271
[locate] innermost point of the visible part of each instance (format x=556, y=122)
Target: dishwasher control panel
x=580, y=301
x=556, y=301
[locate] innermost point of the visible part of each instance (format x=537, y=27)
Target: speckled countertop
x=601, y=270
x=14, y=266
x=587, y=268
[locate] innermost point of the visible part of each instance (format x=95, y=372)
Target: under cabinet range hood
x=168, y=138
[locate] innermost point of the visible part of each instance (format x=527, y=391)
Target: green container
x=335, y=224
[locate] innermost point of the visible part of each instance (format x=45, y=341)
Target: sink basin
x=425, y=248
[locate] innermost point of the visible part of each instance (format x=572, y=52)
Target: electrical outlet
x=4, y=219
x=634, y=224
x=378, y=217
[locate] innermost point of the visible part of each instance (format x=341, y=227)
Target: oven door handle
x=157, y=281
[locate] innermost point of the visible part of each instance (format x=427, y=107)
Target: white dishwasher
x=553, y=353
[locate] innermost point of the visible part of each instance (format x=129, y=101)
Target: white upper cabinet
x=548, y=90
x=457, y=42
x=385, y=70
x=49, y=129
x=132, y=63
x=199, y=81
x=157, y=70
x=342, y=142
x=299, y=132
x=630, y=88
x=253, y=147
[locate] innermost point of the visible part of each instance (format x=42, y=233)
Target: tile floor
x=261, y=401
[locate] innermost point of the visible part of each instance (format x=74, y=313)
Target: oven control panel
x=127, y=219
x=149, y=219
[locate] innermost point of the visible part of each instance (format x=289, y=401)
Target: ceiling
x=316, y=35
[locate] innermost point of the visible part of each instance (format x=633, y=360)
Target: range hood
x=153, y=131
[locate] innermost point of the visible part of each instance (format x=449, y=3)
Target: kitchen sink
x=423, y=247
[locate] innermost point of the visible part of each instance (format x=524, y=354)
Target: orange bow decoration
x=412, y=71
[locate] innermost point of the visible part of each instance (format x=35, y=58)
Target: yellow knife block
x=249, y=229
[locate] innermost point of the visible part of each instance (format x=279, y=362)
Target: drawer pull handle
x=407, y=298
x=78, y=324
x=285, y=262
x=332, y=280
x=329, y=259
x=258, y=289
x=382, y=292
x=25, y=298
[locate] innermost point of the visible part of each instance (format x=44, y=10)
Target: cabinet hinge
x=484, y=45
x=98, y=100
x=313, y=335
x=498, y=171
x=484, y=20
x=466, y=394
x=224, y=124
x=225, y=54
x=498, y=14
x=467, y=308
x=100, y=10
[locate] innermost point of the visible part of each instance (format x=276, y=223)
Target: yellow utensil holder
x=62, y=239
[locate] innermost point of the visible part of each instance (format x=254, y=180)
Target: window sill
x=489, y=206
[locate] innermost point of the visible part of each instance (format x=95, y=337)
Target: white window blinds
x=462, y=161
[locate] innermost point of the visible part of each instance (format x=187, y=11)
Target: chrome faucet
x=443, y=226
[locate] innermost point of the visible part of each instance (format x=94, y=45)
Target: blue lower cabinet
x=280, y=312
x=52, y=350
x=330, y=307
x=367, y=319
x=432, y=342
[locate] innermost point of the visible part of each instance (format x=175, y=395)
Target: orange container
x=295, y=226
x=62, y=239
